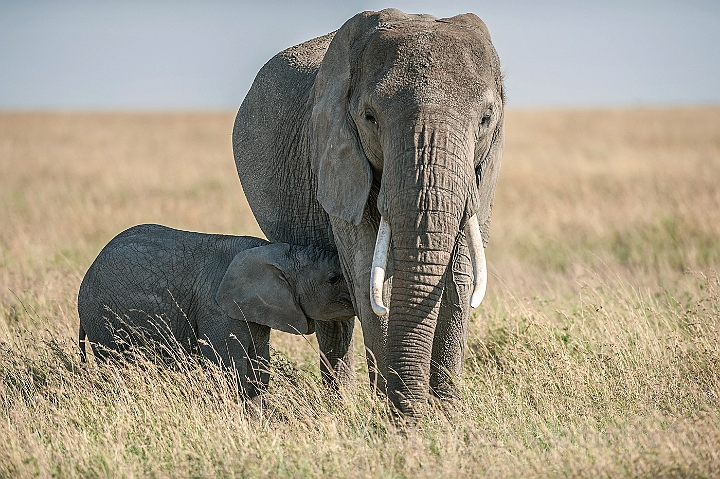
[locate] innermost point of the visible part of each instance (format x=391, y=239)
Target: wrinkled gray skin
x=393, y=114
x=165, y=289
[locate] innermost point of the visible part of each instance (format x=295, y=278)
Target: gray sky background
x=205, y=54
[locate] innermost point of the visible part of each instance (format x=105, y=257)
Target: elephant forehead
x=436, y=63
x=313, y=257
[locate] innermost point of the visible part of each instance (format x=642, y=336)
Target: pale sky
x=205, y=54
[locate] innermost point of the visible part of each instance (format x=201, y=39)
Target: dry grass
x=596, y=353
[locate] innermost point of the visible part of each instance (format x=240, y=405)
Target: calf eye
x=370, y=117
x=334, y=278
x=485, y=119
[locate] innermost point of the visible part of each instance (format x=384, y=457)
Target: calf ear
x=254, y=289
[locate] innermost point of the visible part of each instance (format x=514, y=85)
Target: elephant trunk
x=418, y=284
x=424, y=212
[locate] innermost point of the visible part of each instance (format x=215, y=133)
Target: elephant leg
x=355, y=245
x=451, y=332
x=335, y=340
x=226, y=342
x=258, y=363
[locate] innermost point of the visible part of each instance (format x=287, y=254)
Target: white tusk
x=477, y=257
x=377, y=273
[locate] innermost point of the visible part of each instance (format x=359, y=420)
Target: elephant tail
x=81, y=344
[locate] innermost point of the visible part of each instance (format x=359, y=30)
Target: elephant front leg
x=451, y=332
x=227, y=343
x=355, y=245
x=258, y=361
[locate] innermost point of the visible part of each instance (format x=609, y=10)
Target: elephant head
x=285, y=287
x=413, y=105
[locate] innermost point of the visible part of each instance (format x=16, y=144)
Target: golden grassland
x=596, y=352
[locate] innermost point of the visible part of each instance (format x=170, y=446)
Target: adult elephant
x=387, y=131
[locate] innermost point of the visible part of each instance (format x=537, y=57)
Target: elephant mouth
x=346, y=302
x=379, y=264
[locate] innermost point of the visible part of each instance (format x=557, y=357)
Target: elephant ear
x=481, y=200
x=343, y=173
x=486, y=175
x=255, y=289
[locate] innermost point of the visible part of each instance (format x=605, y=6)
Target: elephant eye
x=485, y=119
x=370, y=117
x=333, y=278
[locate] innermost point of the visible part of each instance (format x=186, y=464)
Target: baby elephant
x=155, y=287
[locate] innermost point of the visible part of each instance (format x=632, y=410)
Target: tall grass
x=596, y=352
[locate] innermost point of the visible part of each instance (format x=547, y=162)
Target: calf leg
x=227, y=343
x=258, y=361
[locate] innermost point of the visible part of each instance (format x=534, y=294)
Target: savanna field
x=596, y=352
